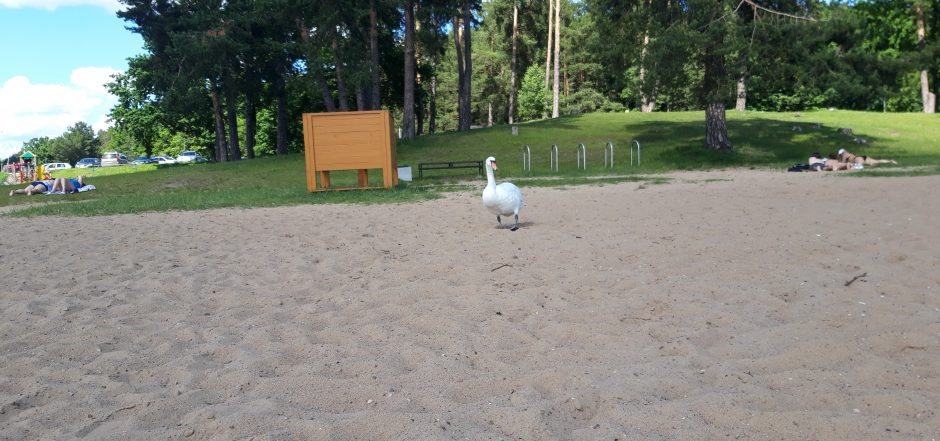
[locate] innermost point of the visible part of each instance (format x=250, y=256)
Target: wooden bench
x=449, y=165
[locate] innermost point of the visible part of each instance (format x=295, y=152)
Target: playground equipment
x=349, y=141
x=27, y=167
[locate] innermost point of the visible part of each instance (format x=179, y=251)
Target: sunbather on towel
x=816, y=162
x=35, y=187
x=834, y=164
x=847, y=156
x=67, y=185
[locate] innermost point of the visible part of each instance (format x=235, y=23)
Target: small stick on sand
x=855, y=278
x=498, y=267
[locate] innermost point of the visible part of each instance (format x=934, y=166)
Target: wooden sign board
x=349, y=141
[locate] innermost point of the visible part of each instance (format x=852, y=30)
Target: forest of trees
x=231, y=78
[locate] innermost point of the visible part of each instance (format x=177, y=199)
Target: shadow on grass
x=758, y=142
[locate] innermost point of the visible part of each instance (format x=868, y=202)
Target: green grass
x=670, y=142
x=673, y=141
x=926, y=170
x=265, y=182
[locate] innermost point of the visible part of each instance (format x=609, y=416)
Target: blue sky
x=55, y=57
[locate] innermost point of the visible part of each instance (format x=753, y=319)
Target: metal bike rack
x=609, y=148
x=582, y=157
x=527, y=159
x=637, y=144
x=553, y=158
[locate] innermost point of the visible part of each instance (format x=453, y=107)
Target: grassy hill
x=670, y=141
x=673, y=141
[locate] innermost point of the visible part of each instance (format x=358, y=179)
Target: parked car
x=164, y=160
x=190, y=156
x=56, y=166
x=88, y=162
x=113, y=158
x=140, y=160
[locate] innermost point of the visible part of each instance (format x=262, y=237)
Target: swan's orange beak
x=493, y=164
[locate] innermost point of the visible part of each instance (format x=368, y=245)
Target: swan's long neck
x=490, y=179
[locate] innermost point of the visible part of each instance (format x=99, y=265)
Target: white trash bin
x=404, y=173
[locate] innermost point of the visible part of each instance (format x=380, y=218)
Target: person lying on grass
x=847, y=156
x=57, y=185
x=67, y=185
x=818, y=163
x=35, y=187
x=834, y=164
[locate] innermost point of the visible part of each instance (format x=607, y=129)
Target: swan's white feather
x=503, y=199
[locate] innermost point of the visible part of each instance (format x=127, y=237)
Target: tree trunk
x=220, y=153
x=361, y=103
x=934, y=24
x=419, y=115
x=565, y=81
x=741, y=101
x=715, y=88
x=548, y=46
x=647, y=103
x=512, y=62
x=465, y=111
x=928, y=98
x=432, y=112
x=464, y=66
x=251, y=124
x=489, y=118
x=716, y=130
x=460, y=72
x=374, y=49
x=342, y=96
x=231, y=110
x=555, y=109
x=324, y=89
x=281, y=148
x=314, y=68
x=408, y=111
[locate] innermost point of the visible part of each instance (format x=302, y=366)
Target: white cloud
x=30, y=110
x=51, y=5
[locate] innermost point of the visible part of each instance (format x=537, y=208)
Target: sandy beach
x=739, y=304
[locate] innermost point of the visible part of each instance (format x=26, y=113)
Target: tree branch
x=771, y=11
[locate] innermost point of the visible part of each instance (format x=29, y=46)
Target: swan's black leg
x=498, y=220
x=516, y=225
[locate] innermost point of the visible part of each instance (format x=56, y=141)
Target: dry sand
x=727, y=305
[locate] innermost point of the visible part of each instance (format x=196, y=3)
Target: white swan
x=503, y=199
